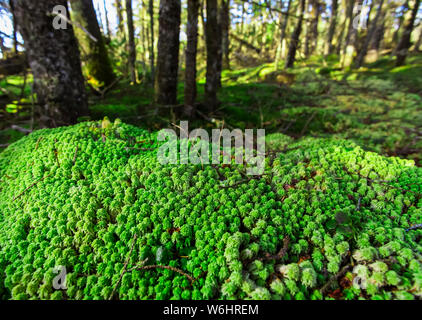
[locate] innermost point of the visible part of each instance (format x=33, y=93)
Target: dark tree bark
x=332, y=27
x=119, y=12
x=212, y=75
x=106, y=19
x=100, y=18
x=15, y=39
x=131, y=45
x=373, y=27
x=53, y=56
x=151, y=49
x=400, y=23
x=294, y=41
x=191, y=50
x=94, y=53
x=219, y=39
x=404, y=44
x=168, y=52
x=225, y=30
x=379, y=33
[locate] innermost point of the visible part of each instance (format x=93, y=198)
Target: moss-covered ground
x=335, y=215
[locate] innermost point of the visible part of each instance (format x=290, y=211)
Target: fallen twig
x=76, y=154
x=38, y=142
x=157, y=266
x=341, y=273
x=281, y=253
x=124, y=267
x=26, y=189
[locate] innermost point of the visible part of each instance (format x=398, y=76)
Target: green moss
x=78, y=196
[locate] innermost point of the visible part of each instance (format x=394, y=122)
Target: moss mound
x=326, y=220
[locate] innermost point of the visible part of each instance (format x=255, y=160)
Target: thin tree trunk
x=400, y=24
x=95, y=59
x=379, y=33
x=332, y=27
x=119, y=12
x=151, y=53
x=132, y=47
x=53, y=56
x=225, y=30
x=368, y=16
x=404, y=44
x=316, y=12
x=294, y=42
x=168, y=52
x=364, y=50
x=419, y=42
x=191, y=50
x=212, y=78
x=350, y=30
x=99, y=21
x=106, y=19
x=15, y=40
x=283, y=29
x=351, y=45
x=308, y=23
x=219, y=39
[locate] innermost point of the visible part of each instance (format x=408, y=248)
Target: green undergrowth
x=326, y=220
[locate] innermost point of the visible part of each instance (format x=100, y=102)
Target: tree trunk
x=131, y=35
x=100, y=18
x=191, y=49
x=212, y=78
x=14, y=25
x=283, y=28
x=294, y=41
x=119, y=12
x=419, y=42
x=332, y=28
x=53, y=56
x=379, y=33
x=94, y=53
x=400, y=23
x=106, y=19
x=168, y=52
x=363, y=51
x=316, y=12
x=219, y=39
x=350, y=30
x=404, y=44
x=351, y=41
x=151, y=53
x=225, y=29
x=306, y=49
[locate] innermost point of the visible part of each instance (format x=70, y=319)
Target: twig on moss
x=26, y=189
x=124, y=267
x=157, y=266
x=75, y=155
x=334, y=278
x=38, y=142
x=281, y=253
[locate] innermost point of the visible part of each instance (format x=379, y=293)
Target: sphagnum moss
x=77, y=196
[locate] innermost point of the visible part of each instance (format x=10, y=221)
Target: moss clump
x=77, y=196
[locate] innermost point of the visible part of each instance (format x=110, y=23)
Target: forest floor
x=378, y=106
